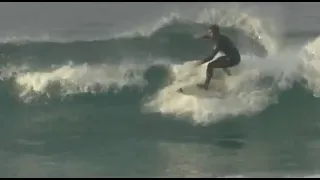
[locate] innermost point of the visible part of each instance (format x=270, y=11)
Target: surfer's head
x=214, y=30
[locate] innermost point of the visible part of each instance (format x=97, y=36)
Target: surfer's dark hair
x=215, y=28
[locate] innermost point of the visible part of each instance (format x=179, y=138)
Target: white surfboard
x=216, y=89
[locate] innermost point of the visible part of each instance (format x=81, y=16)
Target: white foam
x=9, y=70
x=311, y=65
x=149, y=28
x=79, y=78
x=247, y=96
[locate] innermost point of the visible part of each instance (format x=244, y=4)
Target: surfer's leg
x=221, y=62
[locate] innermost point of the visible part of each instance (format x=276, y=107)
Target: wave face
x=90, y=100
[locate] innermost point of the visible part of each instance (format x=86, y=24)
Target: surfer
x=223, y=44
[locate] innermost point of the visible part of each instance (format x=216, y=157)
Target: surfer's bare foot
x=203, y=86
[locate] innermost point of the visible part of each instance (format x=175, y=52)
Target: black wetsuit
x=230, y=59
x=225, y=45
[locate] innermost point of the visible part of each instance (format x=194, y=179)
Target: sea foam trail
x=73, y=79
x=310, y=67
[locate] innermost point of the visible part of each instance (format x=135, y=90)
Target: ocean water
x=89, y=90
